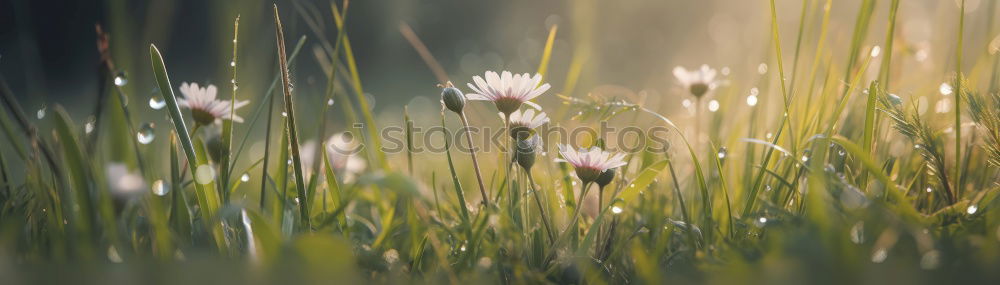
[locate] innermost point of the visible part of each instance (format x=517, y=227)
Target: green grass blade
x=207, y=197
x=293, y=139
x=225, y=169
x=543, y=66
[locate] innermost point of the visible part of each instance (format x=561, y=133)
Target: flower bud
x=605, y=178
x=452, y=98
x=525, y=151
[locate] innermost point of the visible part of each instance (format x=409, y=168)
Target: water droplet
x=929, y=189
x=89, y=126
x=160, y=188
x=767, y=188
x=329, y=102
x=805, y=158
x=722, y=153
x=858, y=233
x=769, y=135
x=156, y=103
x=686, y=103
x=752, y=100
x=204, y=174
x=113, y=255
x=40, y=114
x=146, y=133
x=895, y=99
x=841, y=152
x=232, y=63
x=760, y=222
x=120, y=79
x=245, y=177
x=972, y=209
x=879, y=255
x=616, y=210
x=876, y=51
x=754, y=91
x=762, y=68
x=713, y=105
x=945, y=89
x=284, y=114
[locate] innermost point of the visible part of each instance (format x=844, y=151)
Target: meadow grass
x=835, y=179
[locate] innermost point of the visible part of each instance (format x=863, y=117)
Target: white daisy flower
x=590, y=163
x=508, y=91
x=522, y=123
x=342, y=152
x=204, y=107
x=699, y=81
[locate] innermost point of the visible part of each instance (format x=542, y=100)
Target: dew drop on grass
x=160, y=188
x=760, y=222
x=146, y=133
x=616, y=210
x=89, y=126
x=945, y=89
x=329, y=102
x=752, y=100
x=232, y=63
x=113, y=255
x=879, y=255
x=40, y=114
x=722, y=153
x=156, y=103
x=767, y=188
x=876, y=51
x=929, y=189
x=204, y=174
x=245, y=177
x=121, y=79
x=858, y=233
x=284, y=114
x=972, y=209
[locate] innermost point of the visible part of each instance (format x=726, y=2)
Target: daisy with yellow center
x=522, y=124
x=205, y=108
x=590, y=163
x=698, y=81
x=508, y=91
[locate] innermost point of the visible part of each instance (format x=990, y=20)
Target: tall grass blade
x=293, y=139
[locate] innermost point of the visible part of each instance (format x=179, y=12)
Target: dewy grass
x=806, y=183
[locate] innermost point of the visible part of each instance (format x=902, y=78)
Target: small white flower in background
x=124, y=183
x=522, y=123
x=508, y=91
x=204, y=107
x=699, y=81
x=590, y=163
x=342, y=152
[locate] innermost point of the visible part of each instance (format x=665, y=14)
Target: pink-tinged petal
x=533, y=105
x=476, y=97
x=211, y=92
x=538, y=91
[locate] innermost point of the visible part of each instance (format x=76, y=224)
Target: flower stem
x=475, y=162
x=541, y=209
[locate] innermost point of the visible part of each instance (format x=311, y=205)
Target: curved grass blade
x=208, y=198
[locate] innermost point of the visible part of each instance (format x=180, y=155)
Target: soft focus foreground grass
x=831, y=178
